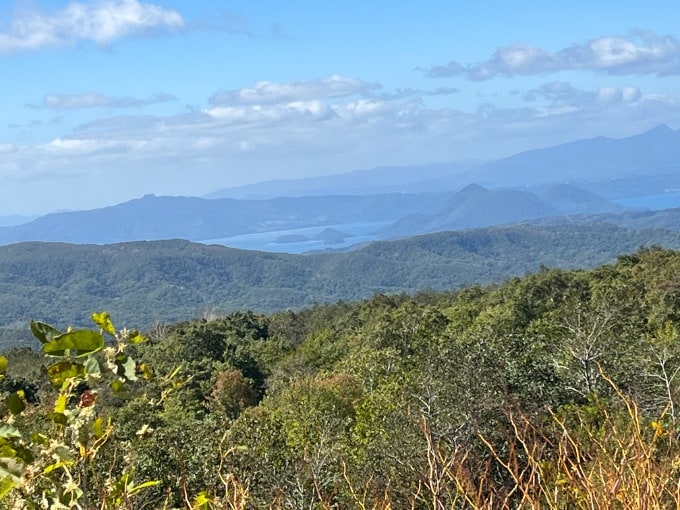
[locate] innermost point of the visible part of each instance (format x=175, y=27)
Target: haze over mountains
x=593, y=163
x=581, y=177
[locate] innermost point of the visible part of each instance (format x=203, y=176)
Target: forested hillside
x=147, y=282
x=556, y=390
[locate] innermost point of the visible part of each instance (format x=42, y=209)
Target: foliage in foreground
x=558, y=390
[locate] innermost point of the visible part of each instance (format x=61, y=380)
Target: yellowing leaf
x=60, y=404
x=144, y=485
x=103, y=320
x=144, y=431
x=98, y=428
x=57, y=465
x=64, y=370
x=135, y=337
x=202, y=500
x=146, y=371
x=117, y=386
x=6, y=485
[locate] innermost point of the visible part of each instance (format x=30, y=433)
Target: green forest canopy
x=437, y=400
x=143, y=283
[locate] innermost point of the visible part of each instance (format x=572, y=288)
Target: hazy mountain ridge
x=592, y=163
x=391, y=179
x=9, y=221
x=570, y=199
x=524, y=187
x=475, y=207
x=153, y=218
x=654, y=152
x=196, y=219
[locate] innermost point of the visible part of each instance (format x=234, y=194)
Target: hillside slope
x=145, y=282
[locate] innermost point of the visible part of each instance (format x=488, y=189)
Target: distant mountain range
x=646, y=163
x=8, y=221
x=475, y=207
x=591, y=162
x=198, y=219
x=578, y=178
x=394, y=179
x=153, y=218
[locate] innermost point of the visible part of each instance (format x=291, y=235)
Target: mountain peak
x=472, y=189
x=660, y=129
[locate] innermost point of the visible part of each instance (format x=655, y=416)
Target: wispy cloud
x=100, y=22
x=302, y=126
x=403, y=93
x=93, y=100
x=265, y=92
x=642, y=52
x=352, y=126
x=563, y=95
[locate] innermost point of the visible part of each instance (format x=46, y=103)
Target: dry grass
x=597, y=457
x=613, y=459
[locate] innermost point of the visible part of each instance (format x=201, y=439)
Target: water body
x=668, y=200
x=267, y=241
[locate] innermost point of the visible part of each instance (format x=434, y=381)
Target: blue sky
x=106, y=100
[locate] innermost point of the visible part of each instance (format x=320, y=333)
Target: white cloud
x=235, y=144
x=74, y=146
x=642, y=52
x=562, y=95
x=630, y=94
x=93, y=100
x=617, y=95
x=100, y=22
x=265, y=92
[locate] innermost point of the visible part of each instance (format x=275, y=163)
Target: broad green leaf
x=3, y=364
x=44, y=332
x=64, y=370
x=80, y=343
x=15, y=403
x=103, y=320
x=7, y=431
